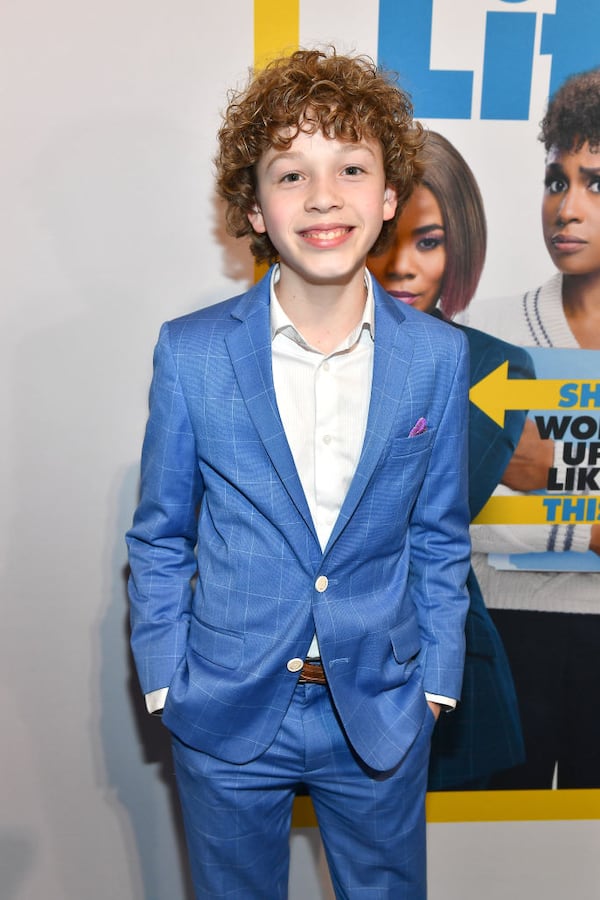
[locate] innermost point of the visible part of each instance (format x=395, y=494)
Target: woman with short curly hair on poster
x=549, y=620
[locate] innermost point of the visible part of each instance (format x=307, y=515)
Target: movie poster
x=535, y=548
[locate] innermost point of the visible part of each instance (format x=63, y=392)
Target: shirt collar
x=281, y=323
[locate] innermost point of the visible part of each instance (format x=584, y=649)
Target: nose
x=399, y=263
x=324, y=194
x=569, y=208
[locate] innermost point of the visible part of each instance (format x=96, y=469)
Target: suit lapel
x=249, y=348
x=391, y=365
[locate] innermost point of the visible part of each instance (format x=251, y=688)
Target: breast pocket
x=412, y=446
x=403, y=468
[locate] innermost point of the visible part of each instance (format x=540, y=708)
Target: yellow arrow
x=496, y=393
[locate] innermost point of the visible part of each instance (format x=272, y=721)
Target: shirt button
x=294, y=665
x=327, y=439
x=321, y=583
x=326, y=366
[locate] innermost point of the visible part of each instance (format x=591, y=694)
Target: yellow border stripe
x=276, y=33
x=506, y=806
x=276, y=29
x=490, y=806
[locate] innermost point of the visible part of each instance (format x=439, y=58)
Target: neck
x=323, y=313
x=581, y=303
x=581, y=293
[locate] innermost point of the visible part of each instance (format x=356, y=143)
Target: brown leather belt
x=312, y=672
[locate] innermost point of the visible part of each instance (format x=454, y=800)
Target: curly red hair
x=347, y=98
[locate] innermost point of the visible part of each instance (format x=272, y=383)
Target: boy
x=299, y=554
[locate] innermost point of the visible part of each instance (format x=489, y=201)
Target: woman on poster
x=435, y=264
x=549, y=620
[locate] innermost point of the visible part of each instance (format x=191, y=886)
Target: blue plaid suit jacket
x=225, y=559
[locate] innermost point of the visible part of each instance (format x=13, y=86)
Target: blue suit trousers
x=237, y=817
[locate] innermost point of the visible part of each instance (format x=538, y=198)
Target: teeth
x=326, y=235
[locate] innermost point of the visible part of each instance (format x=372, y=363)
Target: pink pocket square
x=418, y=428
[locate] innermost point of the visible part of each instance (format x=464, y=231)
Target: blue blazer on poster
x=484, y=734
x=228, y=580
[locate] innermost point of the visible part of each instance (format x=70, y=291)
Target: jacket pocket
x=407, y=446
x=224, y=648
x=406, y=646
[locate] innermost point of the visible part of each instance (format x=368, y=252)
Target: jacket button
x=294, y=665
x=321, y=583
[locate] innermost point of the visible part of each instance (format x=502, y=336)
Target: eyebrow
x=583, y=170
x=345, y=147
x=424, y=229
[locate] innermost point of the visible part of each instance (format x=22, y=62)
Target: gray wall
x=109, y=226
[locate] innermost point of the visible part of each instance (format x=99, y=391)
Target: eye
x=290, y=177
x=430, y=243
x=595, y=185
x=555, y=185
x=353, y=170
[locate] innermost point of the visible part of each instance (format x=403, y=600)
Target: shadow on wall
x=237, y=261
x=17, y=852
x=107, y=205
x=135, y=746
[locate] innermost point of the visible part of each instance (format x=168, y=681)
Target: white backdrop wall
x=108, y=112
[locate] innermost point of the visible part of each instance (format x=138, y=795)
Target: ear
x=390, y=202
x=255, y=217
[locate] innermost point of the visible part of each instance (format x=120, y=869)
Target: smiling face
x=571, y=211
x=322, y=201
x=413, y=268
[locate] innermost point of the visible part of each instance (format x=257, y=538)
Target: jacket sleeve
x=162, y=539
x=439, y=540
